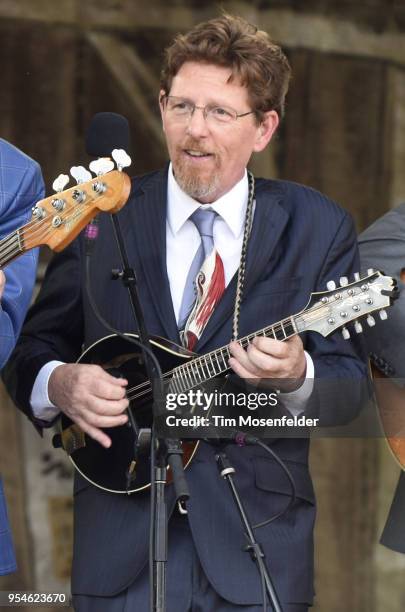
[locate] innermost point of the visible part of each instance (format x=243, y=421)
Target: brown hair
x=260, y=64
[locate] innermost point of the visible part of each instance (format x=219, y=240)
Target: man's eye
x=218, y=111
x=181, y=106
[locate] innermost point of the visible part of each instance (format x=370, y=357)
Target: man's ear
x=266, y=129
x=162, y=94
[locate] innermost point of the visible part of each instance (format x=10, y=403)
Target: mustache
x=196, y=146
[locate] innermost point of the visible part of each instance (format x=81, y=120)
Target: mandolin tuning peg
x=383, y=315
x=343, y=281
x=370, y=271
x=60, y=182
x=356, y=276
x=345, y=333
x=80, y=174
x=121, y=158
x=331, y=285
x=358, y=327
x=370, y=321
x=101, y=166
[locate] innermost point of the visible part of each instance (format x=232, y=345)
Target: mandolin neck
x=210, y=365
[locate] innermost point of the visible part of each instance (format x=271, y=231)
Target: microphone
x=107, y=131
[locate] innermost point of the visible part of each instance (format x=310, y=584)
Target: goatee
x=200, y=184
x=195, y=186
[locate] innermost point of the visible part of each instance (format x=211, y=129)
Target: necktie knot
x=204, y=221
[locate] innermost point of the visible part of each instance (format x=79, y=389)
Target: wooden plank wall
x=337, y=130
x=39, y=92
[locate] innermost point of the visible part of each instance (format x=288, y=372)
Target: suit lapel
x=269, y=222
x=149, y=222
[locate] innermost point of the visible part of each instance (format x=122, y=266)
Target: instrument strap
x=242, y=263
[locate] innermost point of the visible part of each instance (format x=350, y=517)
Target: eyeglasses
x=183, y=109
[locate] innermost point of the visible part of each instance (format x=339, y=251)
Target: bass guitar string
x=36, y=233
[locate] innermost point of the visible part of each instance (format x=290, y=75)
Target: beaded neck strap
x=242, y=262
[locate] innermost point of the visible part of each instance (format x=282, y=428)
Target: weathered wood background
x=344, y=134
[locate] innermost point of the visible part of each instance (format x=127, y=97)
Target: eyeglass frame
x=165, y=97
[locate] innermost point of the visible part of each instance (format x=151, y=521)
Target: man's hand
x=2, y=283
x=90, y=397
x=282, y=362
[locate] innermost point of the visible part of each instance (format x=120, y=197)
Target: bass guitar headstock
x=58, y=219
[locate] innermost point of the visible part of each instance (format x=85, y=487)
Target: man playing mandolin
x=213, y=249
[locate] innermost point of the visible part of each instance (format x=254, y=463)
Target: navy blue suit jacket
x=299, y=241
x=21, y=186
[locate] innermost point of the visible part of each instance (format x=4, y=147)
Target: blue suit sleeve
x=21, y=189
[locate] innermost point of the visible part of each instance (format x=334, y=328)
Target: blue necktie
x=204, y=222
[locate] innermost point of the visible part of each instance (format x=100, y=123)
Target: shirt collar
x=231, y=206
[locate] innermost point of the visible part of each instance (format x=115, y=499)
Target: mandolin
x=183, y=370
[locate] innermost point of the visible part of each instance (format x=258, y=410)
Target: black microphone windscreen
x=107, y=131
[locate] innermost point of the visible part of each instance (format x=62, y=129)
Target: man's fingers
x=257, y=366
x=97, y=373
x=91, y=404
x=104, y=389
x=266, y=358
x=241, y=356
x=91, y=423
x=263, y=361
x=98, y=420
x=240, y=370
x=104, y=407
x=95, y=433
x=119, y=382
x=272, y=347
x=276, y=348
x=255, y=362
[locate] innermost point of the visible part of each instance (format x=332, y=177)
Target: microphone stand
x=163, y=452
x=226, y=471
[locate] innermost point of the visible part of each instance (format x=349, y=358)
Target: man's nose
x=197, y=124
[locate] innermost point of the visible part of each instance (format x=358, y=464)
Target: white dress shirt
x=182, y=243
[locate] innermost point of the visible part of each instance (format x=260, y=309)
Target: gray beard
x=195, y=188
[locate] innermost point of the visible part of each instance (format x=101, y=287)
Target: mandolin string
x=199, y=361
